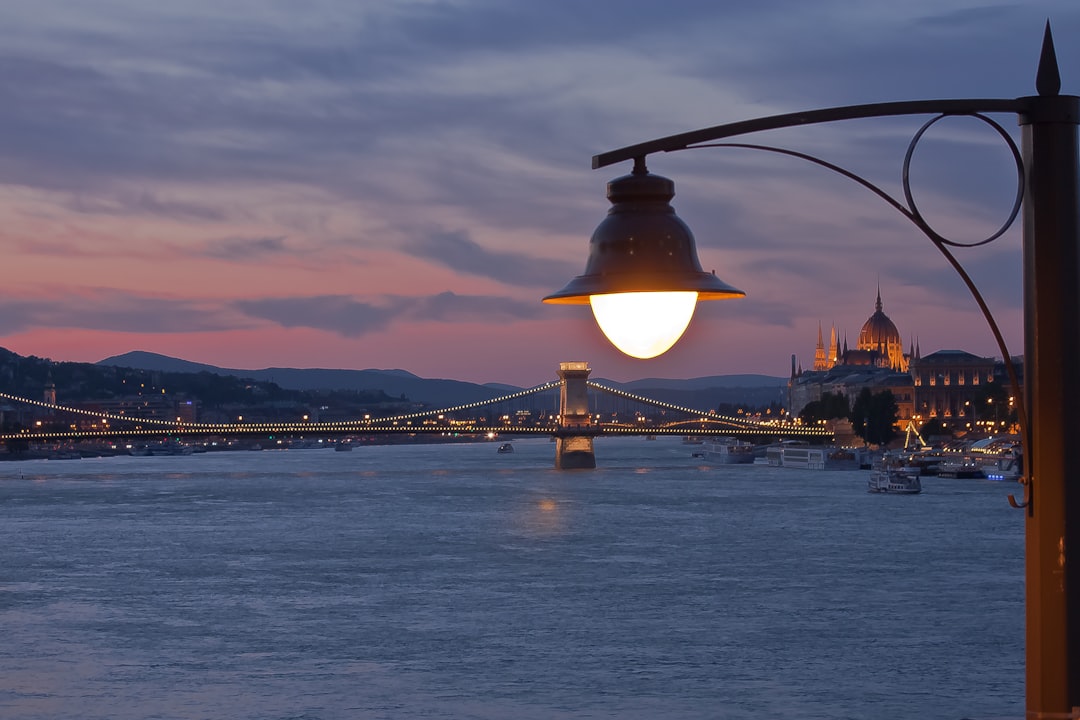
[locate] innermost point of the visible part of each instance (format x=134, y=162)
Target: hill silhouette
x=703, y=392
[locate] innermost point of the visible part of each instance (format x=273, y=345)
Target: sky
x=396, y=184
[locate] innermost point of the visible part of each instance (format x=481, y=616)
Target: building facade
x=947, y=384
x=952, y=384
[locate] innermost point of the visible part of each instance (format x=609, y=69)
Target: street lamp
x=643, y=277
x=642, y=247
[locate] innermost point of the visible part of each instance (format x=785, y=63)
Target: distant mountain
x=704, y=383
x=141, y=360
x=396, y=383
x=709, y=392
x=703, y=392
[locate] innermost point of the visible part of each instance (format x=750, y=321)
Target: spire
x=1047, y=77
x=877, y=305
x=820, y=361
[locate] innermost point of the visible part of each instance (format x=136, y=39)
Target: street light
x=642, y=247
x=643, y=277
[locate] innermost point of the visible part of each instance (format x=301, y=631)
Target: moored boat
x=801, y=455
x=999, y=458
x=960, y=468
x=1002, y=467
x=728, y=451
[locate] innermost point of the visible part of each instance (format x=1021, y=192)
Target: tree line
x=873, y=415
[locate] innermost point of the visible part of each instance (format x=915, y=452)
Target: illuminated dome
x=879, y=331
x=880, y=334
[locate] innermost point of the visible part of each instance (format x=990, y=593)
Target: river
x=450, y=581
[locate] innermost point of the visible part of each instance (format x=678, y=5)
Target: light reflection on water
x=455, y=582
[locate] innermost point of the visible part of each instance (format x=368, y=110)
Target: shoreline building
x=877, y=362
x=952, y=384
x=946, y=384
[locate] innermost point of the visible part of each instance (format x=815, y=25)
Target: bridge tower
x=574, y=438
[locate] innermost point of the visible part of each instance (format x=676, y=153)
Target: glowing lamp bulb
x=644, y=324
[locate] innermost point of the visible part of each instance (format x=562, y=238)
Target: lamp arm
x=811, y=117
x=942, y=244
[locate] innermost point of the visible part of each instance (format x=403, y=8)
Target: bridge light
x=643, y=277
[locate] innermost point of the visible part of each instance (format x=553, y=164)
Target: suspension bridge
x=573, y=410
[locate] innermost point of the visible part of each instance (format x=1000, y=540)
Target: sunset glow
x=396, y=185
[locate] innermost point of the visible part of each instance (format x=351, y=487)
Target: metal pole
x=1052, y=387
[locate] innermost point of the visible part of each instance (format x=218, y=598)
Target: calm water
x=448, y=581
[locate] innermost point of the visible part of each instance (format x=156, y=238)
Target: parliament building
x=943, y=384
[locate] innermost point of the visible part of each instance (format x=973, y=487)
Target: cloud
x=334, y=313
x=245, y=248
x=130, y=312
x=143, y=204
x=450, y=307
x=457, y=251
x=349, y=317
x=115, y=311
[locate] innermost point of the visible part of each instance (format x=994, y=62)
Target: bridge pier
x=574, y=440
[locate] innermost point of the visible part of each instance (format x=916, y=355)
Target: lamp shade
x=642, y=246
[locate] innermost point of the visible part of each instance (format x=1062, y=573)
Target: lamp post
x=642, y=251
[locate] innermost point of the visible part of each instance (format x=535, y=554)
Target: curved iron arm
x=811, y=117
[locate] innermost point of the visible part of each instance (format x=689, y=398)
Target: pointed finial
x=1047, y=78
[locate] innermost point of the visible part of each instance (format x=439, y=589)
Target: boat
x=886, y=478
x=162, y=449
x=1009, y=466
x=963, y=467
x=926, y=460
x=1000, y=458
x=801, y=455
x=727, y=451
x=505, y=448
x=343, y=447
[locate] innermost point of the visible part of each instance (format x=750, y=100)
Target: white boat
x=962, y=467
x=926, y=460
x=897, y=480
x=999, y=458
x=170, y=449
x=727, y=451
x=1002, y=467
x=801, y=455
